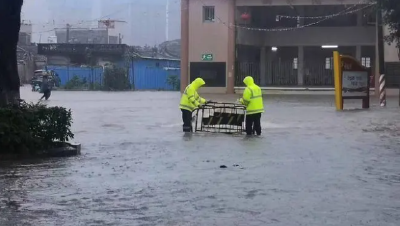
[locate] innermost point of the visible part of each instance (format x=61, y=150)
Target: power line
x=324, y=16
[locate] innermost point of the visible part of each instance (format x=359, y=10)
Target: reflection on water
x=138, y=168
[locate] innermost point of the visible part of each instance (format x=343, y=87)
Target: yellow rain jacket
x=190, y=99
x=252, y=97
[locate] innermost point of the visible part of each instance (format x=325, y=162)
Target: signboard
x=354, y=83
x=351, y=80
x=207, y=57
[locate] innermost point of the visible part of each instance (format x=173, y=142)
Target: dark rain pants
x=253, y=124
x=187, y=120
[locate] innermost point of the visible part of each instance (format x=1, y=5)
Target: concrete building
x=25, y=34
x=281, y=43
x=86, y=36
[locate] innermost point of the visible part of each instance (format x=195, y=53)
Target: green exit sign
x=207, y=57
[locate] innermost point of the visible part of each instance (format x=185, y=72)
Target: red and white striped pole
x=381, y=56
x=382, y=90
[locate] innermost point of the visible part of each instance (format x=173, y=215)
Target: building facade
x=25, y=34
x=281, y=43
x=86, y=36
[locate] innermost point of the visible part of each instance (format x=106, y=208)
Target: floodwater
x=312, y=166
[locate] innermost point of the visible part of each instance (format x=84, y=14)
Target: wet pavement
x=312, y=166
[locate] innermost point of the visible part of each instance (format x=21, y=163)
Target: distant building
x=52, y=39
x=63, y=54
x=25, y=34
x=85, y=36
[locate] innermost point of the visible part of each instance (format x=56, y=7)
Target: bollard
x=382, y=90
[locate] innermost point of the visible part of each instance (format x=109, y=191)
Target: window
x=328, y=63
x=295, y=63
x=213, y=73
x=366, y=61
x=208, y=13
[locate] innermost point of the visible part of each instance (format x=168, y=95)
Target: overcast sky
x=145, y=19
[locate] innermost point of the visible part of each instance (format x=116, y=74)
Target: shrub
x=173, y=80
x=77, y=83
x=115, y=79
x=95, y=86
x=74, y=83
x=32, y=128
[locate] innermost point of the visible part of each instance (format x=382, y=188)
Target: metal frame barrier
x=216, y=117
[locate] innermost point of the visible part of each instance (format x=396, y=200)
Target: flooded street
x=312, y=166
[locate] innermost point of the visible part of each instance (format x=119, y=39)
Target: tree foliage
x=115, y=79
x=74, y=83
x=391, y=18
x=174, y=82
x=32, y=128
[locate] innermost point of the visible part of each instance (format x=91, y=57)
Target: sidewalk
x=310, y=91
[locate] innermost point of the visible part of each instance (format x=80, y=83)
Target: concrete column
x=359, y=23
x=263, y=68
x=358, y=53
x=300, y=54
x=268, y=65
x=230, y=65
x=300, y=66
x=184, y=44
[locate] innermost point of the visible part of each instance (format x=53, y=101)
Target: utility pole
x=167, y=21
x=67, y=34
x=108, y=36
x=381, y=56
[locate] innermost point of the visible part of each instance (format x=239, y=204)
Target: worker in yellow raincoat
x=190, y=101
x=252, y=99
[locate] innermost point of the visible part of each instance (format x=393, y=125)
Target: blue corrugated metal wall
x=152, y=74
x=66, y=73
x=147, y=74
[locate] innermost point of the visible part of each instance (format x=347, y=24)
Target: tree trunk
x=10, y=24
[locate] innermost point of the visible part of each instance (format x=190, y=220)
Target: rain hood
x=248, y=81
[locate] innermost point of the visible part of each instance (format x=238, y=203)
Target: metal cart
x=220, y=118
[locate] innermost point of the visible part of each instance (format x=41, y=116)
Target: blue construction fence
x=144, y=74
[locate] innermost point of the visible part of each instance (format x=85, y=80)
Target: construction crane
x=109, y=24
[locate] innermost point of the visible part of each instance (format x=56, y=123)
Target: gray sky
x=145, y=19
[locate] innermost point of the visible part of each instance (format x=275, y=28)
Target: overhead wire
x=361, y=2
x=327, y=17
x=346, y=11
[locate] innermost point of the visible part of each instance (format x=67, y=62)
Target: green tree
x=74, y=83
x=115, y=79
x=391, y=18
x=173, y=80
